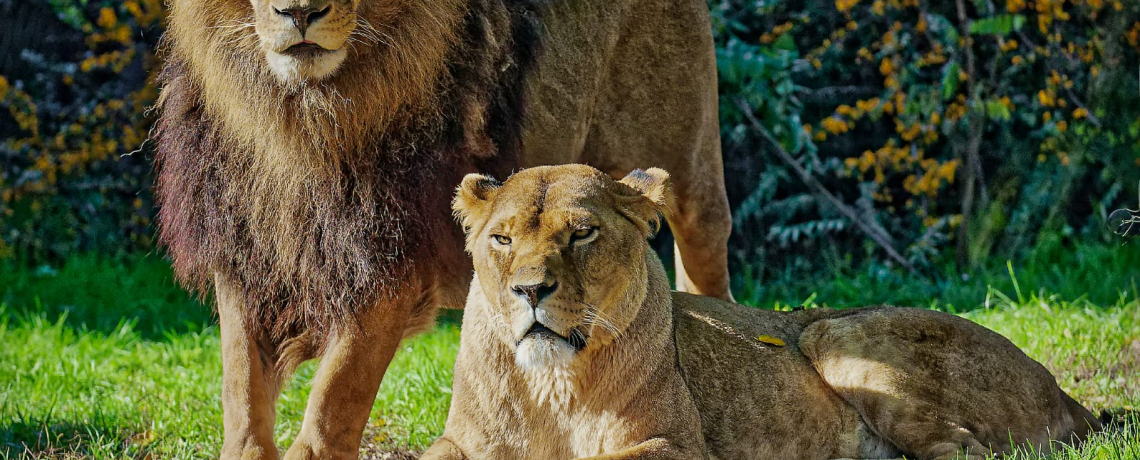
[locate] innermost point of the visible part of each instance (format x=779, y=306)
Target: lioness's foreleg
x=250, y=385
x=654, y=449
x=443, y=449
x=345, y=386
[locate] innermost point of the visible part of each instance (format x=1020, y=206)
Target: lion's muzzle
x=302, y=16
x=305, y=39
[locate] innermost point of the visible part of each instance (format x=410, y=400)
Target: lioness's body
x=307, y=151
x=677, y=376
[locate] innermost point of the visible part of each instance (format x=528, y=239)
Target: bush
x=910, y=132
x=994, y=125
x=74, y=84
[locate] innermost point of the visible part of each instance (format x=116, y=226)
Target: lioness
x=573, y=346
x=307, y=151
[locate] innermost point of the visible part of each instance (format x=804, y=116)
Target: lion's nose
x=535, y=293
x=304, y=16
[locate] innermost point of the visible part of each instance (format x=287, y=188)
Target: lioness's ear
x=472, y=198
x=656, y=196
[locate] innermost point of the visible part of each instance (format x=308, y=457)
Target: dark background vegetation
x=875, y=150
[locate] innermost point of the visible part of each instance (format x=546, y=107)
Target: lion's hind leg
x=935, y=385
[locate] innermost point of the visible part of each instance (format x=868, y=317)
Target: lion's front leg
x=346, y=383
x=654, y=449
x=249, y=385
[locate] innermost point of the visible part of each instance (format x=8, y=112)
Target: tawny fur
x=312, y=196
x=667, y=375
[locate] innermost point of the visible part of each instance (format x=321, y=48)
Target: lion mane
x=322, y=198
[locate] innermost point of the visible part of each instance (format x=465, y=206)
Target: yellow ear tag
x=770, y=340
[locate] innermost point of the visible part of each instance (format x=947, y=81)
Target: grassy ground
x=107, y=360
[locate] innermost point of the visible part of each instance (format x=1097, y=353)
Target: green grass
x=110, y=360
x=74, y=393
x=1096, y=272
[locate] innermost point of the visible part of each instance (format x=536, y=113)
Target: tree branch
x=870, y=228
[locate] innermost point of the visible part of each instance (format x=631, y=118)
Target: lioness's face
x=305, y=39
x=559, y=254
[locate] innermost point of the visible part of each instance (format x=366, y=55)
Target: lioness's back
x=755, y=391
x=762, y=378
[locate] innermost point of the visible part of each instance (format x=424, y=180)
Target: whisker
x=595, y=317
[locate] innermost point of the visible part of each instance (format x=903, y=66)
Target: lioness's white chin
x=292, y=70
x=543, y=352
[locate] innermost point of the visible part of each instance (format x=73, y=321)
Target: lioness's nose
x=303, y=16
x=535, y=293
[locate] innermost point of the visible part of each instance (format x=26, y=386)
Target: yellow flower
x=1080, y=113
x=133, y=8
x=886, y=66
x=867, y=105
x=834, y=125
x=107, y=18
x=911, y=132
x=845, y=5
x=1062, y=126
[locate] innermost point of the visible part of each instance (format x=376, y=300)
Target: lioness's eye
x=582, y=234
x=501, y=239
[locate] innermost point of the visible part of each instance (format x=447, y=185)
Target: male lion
x=307, y=151
x=573, y=346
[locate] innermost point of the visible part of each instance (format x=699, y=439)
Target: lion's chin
x=296, y=69
x=541, y=351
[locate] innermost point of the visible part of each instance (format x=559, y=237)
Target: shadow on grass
x=64, y=439
x=100, y=294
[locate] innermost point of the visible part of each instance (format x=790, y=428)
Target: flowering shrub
x=961, y=127
x=74, y=175
x=993, y=124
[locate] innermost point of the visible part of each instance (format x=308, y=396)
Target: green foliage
x=73, y=118
x=1001, y=25
x=879, y=100
x=882, y=101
